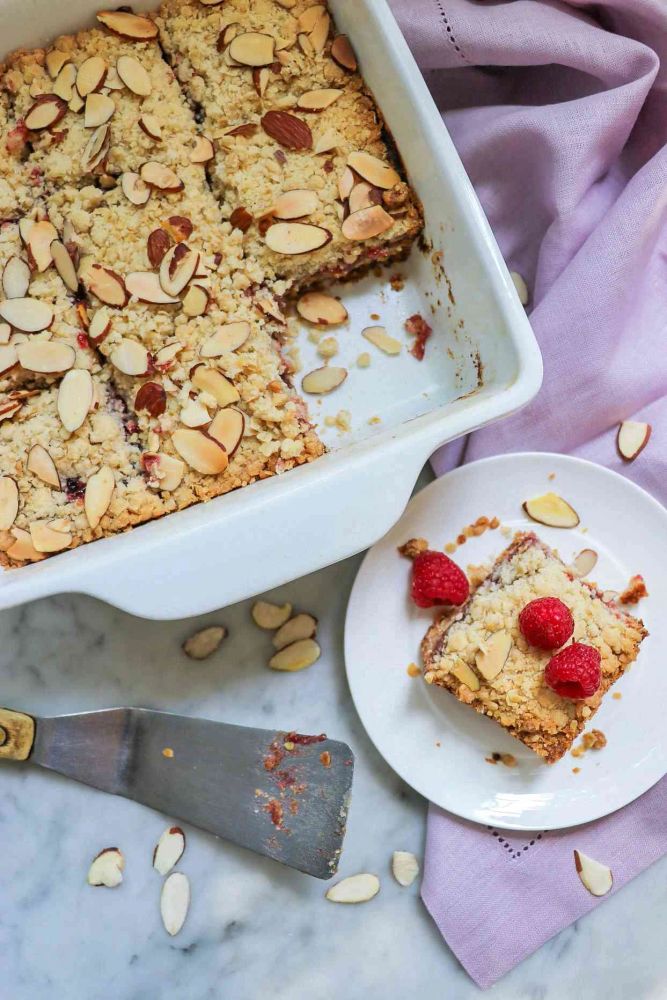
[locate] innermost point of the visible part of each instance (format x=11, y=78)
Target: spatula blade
x=280, y=794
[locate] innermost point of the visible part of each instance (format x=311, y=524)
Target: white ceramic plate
x=439, y=746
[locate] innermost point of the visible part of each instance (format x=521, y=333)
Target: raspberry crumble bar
x=167, y=181
x=510, y=686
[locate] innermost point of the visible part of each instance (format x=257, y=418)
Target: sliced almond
x=466, y=675
x=5, y=334
x=22, y=548
x=113, y=81
x=268, y=305
x=165, y=471
x=227, y=428
x=107, y=868
x=372, y=169
x=214, y=383
x=552, y=510
x=64, y=265
x=296, y=238
x=90, y=75
x=166, y=354
x=367, y=223
x=75, y=397
x=354, y=889
x=9, y=502
x=295, y=204
x=584, y=563
x=175, y=902
x=226, y=339
x=521, y=287
x=157, y=245
x=252, y=48
x=343, y=53
x=150, y=126
x=195, y=301
x=306, y=45
x=135, y=190
x=130, y=357
x=270, y=616
x=8, y=360
x=46, y=112
x=323, y=380
x=300, y=627
x=311, y=15
x=145, y=286
x=161, y=177
x=25, y=226
x=98, y=110
x=318, y=100
x=204, y=643
x=595, y=877
x=99, y=490
x=346, y=183
x=179, y=227
x=108, y=286
x=201, y=453
x=195, y=414
x=364, y=195
x=9, y=410
x=327, y=142
x=28, y=315
x=76, y=103
x=38, y=243
x=133, y=75
x=15, y=278
x=318, y=36
x=404, y=867
x=203, y=151
x=100, y=325
x=378, y=336
x=54, y=61
x=151, y=397
x=632, y=438
x=297, y=656
x=127, y=25
x=491, y=659
x=65, y=82
x=46, y=356
x=178, y=267
x=168, y=850
x=96, y=149
x=46, y=539
x=260, y=79
x=42, y=465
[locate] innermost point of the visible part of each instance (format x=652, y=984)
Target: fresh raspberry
x=436, y=579
x=546, y=623
x=574, y=672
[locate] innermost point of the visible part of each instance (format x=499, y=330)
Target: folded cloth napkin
x=559, y=112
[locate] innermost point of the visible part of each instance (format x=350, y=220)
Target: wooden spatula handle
x=17, y=735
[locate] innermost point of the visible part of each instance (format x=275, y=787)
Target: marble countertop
x=254, y=929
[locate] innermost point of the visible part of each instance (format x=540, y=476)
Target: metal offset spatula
x=280, y=794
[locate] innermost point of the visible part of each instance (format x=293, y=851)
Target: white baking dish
x=256, y=538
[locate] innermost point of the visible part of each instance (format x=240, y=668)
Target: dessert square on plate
x=516, y=696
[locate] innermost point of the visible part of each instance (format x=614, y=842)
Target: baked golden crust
x=517, y=698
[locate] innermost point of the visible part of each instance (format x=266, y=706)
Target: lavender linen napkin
x=559, y=111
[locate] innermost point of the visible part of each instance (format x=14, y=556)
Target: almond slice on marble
x=38, y=244
x=321, y=309
x=302, y=626
x=328, y=141
x=291, y=238
x=584, y=563
x=41, y=464
x=195, y=301
x=372, y=169
x=200, y=452
x=632, y=438
x=96, y=149
x=65, y=83
x=270, y=616
x=135, y=190
x=174, y=902
x=364, y=195
x=145, y=286
x=9, y=502
x=151, y=397
x=288, y=130
x=295, y=204
x=164, y=471
x=195, y=414
x=127, y=25
x=98, y=110
x=178, y=267
x=150, y=126
x=378, y=336
x=107, y=868
x=214, y=383
x=203, y=151
x=46, y=112
x=159, y=176
x=595, y=877
x=466, y=675
x=226, y=339
x=318, y=36
x=46, y=356
x=64, y=265
x=323, y=380
x=297, y=656
x=90, y=75
x=15, y=278
x=8, y=360
x=404, y=867
x=54, y=62
x=130, y=357
x=107, y=286
x=168, y=850
x=552, y=510
x=46, y=538
x=227, y=428
x=252, y=48
x=75, y=398
x=318, y=100
x=204, y=643
x=100, y=325
x=27, y=315
x=99, y=490
x=367, y=223
x=354, y=889
x=492, y=657
x=343, y=53
x=134, y=76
